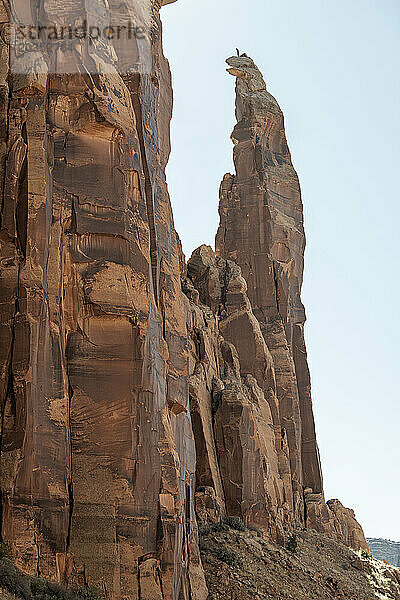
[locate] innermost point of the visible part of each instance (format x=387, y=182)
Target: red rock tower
x=261, y=228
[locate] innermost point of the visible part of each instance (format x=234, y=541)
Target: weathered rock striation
x=240, y=471
x=135, y=388
x=237, y=459
x=261, y=228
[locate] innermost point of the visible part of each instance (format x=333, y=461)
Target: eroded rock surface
x=232, y=397
x=243, y=467
x=97, y=450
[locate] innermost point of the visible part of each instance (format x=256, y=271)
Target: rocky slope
x=317, y=568
x=134, y=388
x=385, y=550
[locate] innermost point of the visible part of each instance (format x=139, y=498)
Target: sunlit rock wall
x=97, y=450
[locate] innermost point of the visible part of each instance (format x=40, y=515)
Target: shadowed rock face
x=100, y=352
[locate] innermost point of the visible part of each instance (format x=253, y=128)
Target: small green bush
x=46, y=590
x=217, y=527
x=14, y=581
x=204, y=528
x=88, y=593
x=25, y=587
x=5, y=551
x=292, y=543
x=228, y=557
x=365, y=554
x=235, y=523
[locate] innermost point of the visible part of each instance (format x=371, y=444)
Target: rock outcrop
x=261, y=228
x=240, y=470
x=126, y=403
x=231, y=413
x=333, y=519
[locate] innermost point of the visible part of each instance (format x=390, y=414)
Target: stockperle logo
x=45, y=34
x=83, y=37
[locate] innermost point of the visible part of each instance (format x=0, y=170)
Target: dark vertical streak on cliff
x=35, y=541
x=21, y=205
x=137, y=107
x=70, y=480
x=276, y=285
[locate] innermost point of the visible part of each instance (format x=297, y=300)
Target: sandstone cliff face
x=112, y=380
x=97, y=450
x=261, y=228
x=231, y=414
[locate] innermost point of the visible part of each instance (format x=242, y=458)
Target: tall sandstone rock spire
x=249, y=384
x=261, y=229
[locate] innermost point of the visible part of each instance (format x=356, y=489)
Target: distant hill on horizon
x=385, y=550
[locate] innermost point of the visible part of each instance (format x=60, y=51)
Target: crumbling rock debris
x=125, y=402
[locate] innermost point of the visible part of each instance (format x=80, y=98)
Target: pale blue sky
x=334, y=68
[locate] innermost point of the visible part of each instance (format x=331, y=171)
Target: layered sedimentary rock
x=240, y=470
x=333, y=519
x=261, y=228
x=97, y=450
